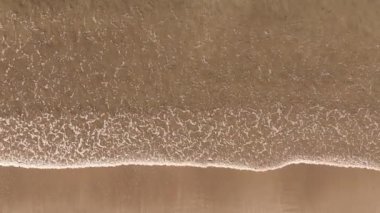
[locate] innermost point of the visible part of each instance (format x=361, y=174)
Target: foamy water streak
x=249, y=138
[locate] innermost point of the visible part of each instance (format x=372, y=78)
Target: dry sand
x=301, y=188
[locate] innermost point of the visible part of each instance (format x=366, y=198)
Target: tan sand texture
x=306, y=189
x=236, y=83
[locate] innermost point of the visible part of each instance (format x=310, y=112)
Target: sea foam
x=244, y=139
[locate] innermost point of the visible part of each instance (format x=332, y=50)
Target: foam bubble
x=247, y=139
x=185, y=164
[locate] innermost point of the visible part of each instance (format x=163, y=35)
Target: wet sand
x=300, y=188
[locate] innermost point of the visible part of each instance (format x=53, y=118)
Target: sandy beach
x=251, y=84
x=300, y=188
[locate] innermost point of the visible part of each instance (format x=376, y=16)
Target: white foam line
x=185, y=164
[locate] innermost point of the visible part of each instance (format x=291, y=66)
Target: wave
x=185, y=164
x=256, y=139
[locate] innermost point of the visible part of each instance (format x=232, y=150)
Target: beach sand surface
x=297, y=188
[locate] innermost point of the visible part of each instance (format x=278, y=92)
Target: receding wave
x=244, y=138
x=256, y=86
x=185, y=164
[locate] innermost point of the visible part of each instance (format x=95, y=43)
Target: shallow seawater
x=243, y=84
x=189, y=106
x=250, y=139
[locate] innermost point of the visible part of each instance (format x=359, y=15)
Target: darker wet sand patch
x=299, y=188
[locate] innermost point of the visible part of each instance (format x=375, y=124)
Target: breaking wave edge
x=186, y=164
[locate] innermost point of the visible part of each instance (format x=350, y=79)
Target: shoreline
x=187, y=165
